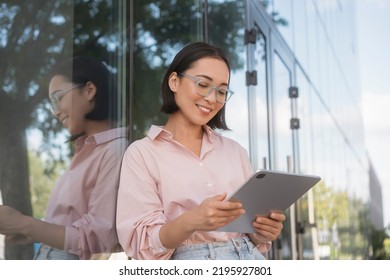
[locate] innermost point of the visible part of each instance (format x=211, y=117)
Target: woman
x=80, y=217
x=174, y=182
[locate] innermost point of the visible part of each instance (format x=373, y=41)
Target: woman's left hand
x=269, y=228
x=10, y=220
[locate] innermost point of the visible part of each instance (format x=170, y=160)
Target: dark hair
x=83, y=69
x=183, y=61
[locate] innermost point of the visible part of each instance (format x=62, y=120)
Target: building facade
x=295, y=107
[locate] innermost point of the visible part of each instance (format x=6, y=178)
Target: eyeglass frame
x=58, y=94
x=197, y=80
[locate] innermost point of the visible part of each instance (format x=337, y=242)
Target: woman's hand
x=214, y=212
x=22, y=229
x=268, y=228
x=11, y=221
x=211, y=214
x=12, y=224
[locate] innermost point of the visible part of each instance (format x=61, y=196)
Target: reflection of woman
x=80, y=217
x=174, y=181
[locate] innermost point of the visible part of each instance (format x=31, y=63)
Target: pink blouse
x=161, y=179
x=84, y=198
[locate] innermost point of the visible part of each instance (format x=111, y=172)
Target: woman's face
x=196, y=109
x=70, y=103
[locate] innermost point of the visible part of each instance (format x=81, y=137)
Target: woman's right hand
x=210, y=215
x=214, y=212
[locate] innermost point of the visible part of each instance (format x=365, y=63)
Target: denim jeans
x=235, y=249
x=49, y=253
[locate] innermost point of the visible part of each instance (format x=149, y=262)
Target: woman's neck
x=182, y=130
x=188, y=135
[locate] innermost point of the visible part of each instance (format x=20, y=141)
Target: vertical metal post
x=205, y=21
x=293, y=231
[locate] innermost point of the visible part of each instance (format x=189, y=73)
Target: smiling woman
x=174, y=182
x=80, y=217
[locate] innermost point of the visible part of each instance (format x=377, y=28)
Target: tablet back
x=268, y=191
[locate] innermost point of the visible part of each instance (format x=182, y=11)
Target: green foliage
x=380, y=241
x=41, y=183
x=276, y=17
x=342, y=221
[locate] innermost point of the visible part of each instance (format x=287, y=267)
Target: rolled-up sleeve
x=140, y=214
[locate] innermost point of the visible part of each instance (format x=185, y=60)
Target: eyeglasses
x=56, y=96
x=204, y=88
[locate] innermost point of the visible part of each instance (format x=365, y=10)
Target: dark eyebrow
x=210, y=79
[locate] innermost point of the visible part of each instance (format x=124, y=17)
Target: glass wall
x=35, y=36
x=321, y=35
x=138, y=39
x=161, y=28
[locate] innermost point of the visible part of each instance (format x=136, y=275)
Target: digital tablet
x=267, y=191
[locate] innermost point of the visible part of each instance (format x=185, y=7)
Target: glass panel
x=260, y=114
x=228, y=32
x=331, y=144
x=282, y=15
x=160, y=32
x=300, y=32
x=282, y=114
x=35, y=36
x=237, y=119
x=305, y=206
x=282, y=137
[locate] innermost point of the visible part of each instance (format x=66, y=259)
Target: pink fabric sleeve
x=95, y=232
x=139, y=222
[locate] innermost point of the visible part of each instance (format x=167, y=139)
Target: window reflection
x=38, y=35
